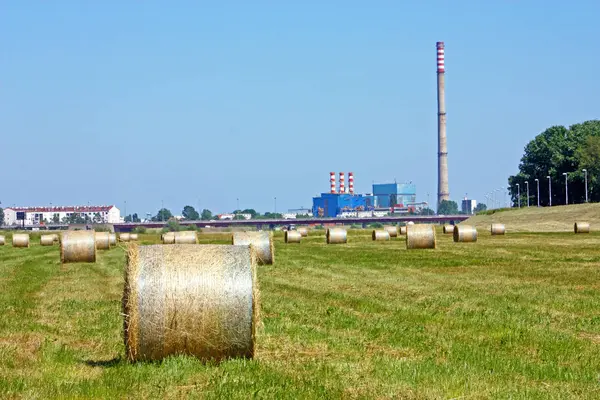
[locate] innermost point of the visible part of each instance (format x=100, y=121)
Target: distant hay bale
x=303, y=231
x=380, y=235
x=102, y=241
x=113, y=239
x=292, y=237
x=78, y=246
x=421, y=236
x=20, y=240
x=133, y=237
x=213, y=319
x=2, y=240
x=402, y=230
x=47, y=240
x=262, y=243
x=391, y=230
x=186, y=237
x=410, y=223
x=582, y=227
x=448, y=229
x=336, y=236
x=498, y=229
x=124, y=237
x=465, y=233
x=168, y=238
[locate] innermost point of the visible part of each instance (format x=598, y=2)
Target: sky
x=213, y=104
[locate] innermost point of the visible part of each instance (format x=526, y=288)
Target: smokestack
x=332, y=181
x=350, y=182
x=443, y=191
x=342, y=184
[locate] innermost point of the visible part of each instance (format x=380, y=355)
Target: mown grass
x=506, y=317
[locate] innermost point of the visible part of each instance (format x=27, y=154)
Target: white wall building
x=49, y=215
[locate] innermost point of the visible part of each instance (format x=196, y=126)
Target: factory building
x=468, y=206
x=30, y=216
x=394, y=194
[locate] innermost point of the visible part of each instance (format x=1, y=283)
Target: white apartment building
x=49, y=215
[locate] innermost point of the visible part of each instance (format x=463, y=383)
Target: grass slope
x=543, y=219
x=506, y=317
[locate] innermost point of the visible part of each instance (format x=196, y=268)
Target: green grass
x=507, y=317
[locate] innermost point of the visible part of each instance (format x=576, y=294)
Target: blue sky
x=197, y=103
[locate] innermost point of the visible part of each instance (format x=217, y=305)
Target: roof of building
x=62, y=209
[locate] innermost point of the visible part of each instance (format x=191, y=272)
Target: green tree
x=1, y=217
x=173, y=225
x=206, y=215
x=427, y=211
x=139, y=229
x=250, y=211
x=589, y=156
x=190, y=213
x=162, y=215
x=448, y=207
x=97, y=218
x=238, y=216
x=480, y=207
x=56, y=218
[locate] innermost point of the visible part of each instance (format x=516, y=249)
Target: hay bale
x=402, y=230
x=262, y=243
x=56, y=237
x=186, y=237
x=78, y=246
x=213, y=319
x=448, y=229
x=124, y=237
x=47, y=240
x=292, y=236
x=582, y=227
x=20, y=240
x=392, y=230
x=498, y=229
x=102, y=240
x=168, y=238
x=2, y=240
x=465, y=233
x=303, y=231
x=336, y=236
x=421, y=236
x=381, y=235
x=133, y=237
x=113, y=239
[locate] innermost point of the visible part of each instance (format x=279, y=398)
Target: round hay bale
x=113, y=239
x=381, y=235
x=20, y=240
x=420, y=236
x=168, y=238
x=262, y=243
x=465, y=233
x=303, y=231
x=213, y=319
x=392, y=230
x=124, y=237
x=336, y=236
x=186, y=237
x=133, y=237
x=78, y=246
x=410, y=223
x=56, y=237
x=102, y=240
x=498, y=229
x=292, y=236
x=448, y=229
x=2, y=240
x=47, y=240
x=402, y=230
x=582, y=227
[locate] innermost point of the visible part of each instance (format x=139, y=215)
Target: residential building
x=50, y=215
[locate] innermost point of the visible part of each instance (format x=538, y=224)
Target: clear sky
x=197, y=103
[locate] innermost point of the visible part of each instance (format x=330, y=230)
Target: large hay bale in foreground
x=448, y=229
x=582, y=227
x=303, y=231
x=421, y=236
x=186, y=237
x=380, y=235
x=497, y=229
x=465, y=233
x=292, y=237
x=47, y=240
x=124, y=237
x=391, y=230
x=402, y=230
x=113, y=239
x=168, y=238
x=102, y=241
x=2, y=240
x=213, y=319
x=20, y=240
x=336, y=236
x=262, y=243
x=78, y=246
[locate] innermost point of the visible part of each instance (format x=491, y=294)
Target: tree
x=206, y=215
x=56, y=218
x=239, y=216
x=250, y=211
x=190, y=213
x=1, y=217
x=448, y=207
x=480, y=207
x=427, y=211
x=162, y=215
x=173, y=226
x=97, y=218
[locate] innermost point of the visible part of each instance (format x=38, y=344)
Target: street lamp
x=537, y=181
x=549, y=191
x=566, y=189
x=275, y=205
x=586, y=191
x=519, y=194
x=527, y=183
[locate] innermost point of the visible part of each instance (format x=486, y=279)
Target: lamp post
x=566, y=189
x=275, y=198
x=537, y=181
x=125, y=209
x=519, y=194
x=549, y=191
x=527, y=183
x=586, y=190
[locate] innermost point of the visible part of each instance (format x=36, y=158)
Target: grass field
x=507, y=317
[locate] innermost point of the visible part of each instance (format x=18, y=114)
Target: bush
x=139, y=229
x=376, y=225
x=173, y=226
x=191, y=227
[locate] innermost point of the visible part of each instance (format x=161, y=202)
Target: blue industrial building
x=333, y=204
x=391, y=194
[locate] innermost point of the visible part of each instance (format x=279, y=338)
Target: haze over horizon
x=205, y=104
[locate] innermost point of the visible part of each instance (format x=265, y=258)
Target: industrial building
x=468, y=206
x=30, y=216
x=394, y=194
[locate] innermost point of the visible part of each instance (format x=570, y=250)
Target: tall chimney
x=332, y=182
x=351, y=182
x=342, y=184
x=443, y=191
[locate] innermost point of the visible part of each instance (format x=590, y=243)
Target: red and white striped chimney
x=440, y=57
x=332, y=181
x=351, y=182
x=342, y=184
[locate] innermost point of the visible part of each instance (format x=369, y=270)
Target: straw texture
x=186, y=237
x=498, y=229
x=392, y=230
x=582, y=227
x=465, y=233
x=133, y=237
x=184, y=299
x=2, y=240
x=102, y=240
x=20, y=240
x=78, y=246
x=292, y=236
x=448, y=229
x=380, y=235
x=262, y=243
x=124, y=237
x=113, y=239
x=303, y=231
x=168, y=238
x=420, y=236
x=402, y=230
x=337, y=236
x=47, y=240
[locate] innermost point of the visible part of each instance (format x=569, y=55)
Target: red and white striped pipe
x=342, y=183
x=332, y=181
x=351, y=182
x=440, y=57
